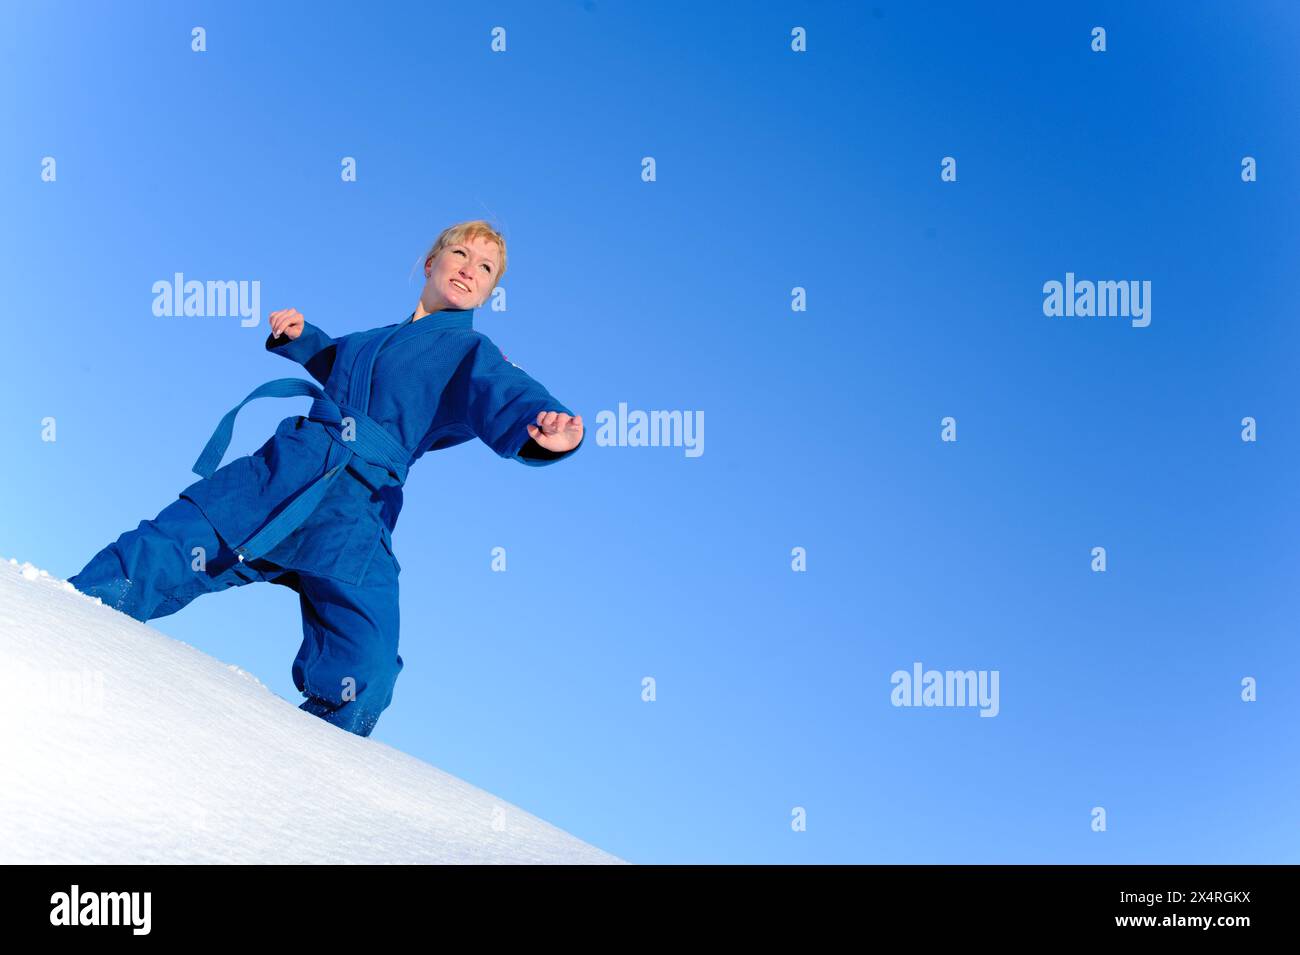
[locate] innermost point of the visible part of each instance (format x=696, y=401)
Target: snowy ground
x=109, y=753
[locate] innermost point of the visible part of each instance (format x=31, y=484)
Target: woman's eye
x=487, y=268
x=461, y=251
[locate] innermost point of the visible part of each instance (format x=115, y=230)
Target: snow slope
x=110, y=753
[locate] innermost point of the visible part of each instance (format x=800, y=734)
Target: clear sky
x=774, y=170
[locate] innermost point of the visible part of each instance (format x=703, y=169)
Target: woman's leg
x=348, y=663
x=164, y=563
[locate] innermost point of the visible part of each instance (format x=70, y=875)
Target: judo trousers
x=348, y=662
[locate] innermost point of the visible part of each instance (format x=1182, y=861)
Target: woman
x=314, y=508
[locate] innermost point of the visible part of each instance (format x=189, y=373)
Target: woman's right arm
x=298, y=340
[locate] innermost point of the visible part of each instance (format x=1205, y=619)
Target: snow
x=123, y=745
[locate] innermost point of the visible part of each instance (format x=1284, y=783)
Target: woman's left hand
x=556, y=431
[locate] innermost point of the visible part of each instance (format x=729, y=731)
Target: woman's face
x=461, y=276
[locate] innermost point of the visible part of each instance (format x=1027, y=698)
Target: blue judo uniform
x=314, y=508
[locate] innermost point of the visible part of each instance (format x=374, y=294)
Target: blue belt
x=371, y=442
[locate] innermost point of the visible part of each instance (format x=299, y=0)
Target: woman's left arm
x=514, y=414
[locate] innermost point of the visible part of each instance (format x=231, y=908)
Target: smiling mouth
x=460, y=285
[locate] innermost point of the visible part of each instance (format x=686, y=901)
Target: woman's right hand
x=288, y=322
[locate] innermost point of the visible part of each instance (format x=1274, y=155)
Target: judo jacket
x=326, y=489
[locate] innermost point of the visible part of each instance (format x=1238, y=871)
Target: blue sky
x=774, y=170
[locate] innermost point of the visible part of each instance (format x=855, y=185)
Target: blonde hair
x=463, y=232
